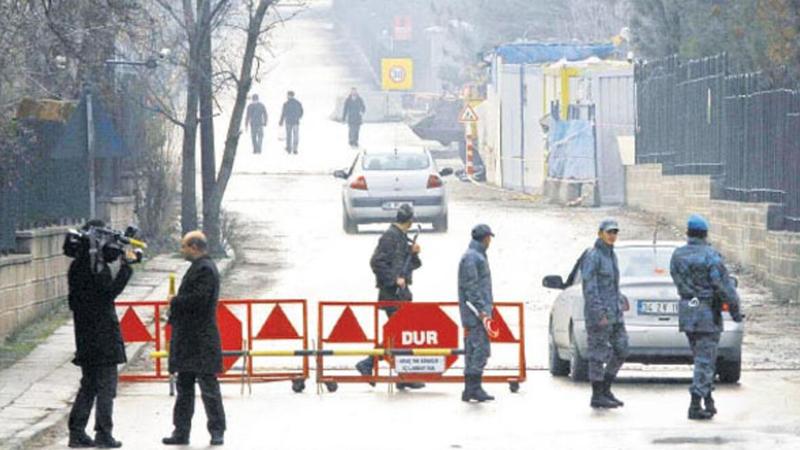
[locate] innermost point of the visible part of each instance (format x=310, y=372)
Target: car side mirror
x=340, y=174
x=447, y=171
x=553, y=282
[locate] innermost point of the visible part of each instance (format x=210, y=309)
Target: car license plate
x=395, y=205
x=657, y=308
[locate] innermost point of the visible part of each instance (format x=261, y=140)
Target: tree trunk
x=188, y=167
x=211, y=214
x=242, y=90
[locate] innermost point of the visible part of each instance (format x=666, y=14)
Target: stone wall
x=34, y=280
x=739, y=230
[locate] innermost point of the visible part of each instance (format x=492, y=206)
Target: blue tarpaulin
x=536, y=53
x=571, y=150
x=108, y=143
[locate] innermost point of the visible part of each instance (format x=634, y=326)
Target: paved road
x=291, y=245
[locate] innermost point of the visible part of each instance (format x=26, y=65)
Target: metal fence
x=695, y=118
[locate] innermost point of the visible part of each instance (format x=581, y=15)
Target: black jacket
x=389, y=257
x=195, y=344
x=292, y=112
x=98, y=340
x=353, y=110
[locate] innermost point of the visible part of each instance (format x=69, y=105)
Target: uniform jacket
x=699, y=273
x=390, y=255
x=601, y=295
x=195, y=345
x=474, y=284
x=292, y=112
x=98, y=341
x=256, y=115
x=353, y=110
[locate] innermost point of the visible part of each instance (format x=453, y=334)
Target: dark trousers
x=388, y=294
x=292, y=137
x=477, y=350
x=184, y=403
x=354, y=129
x=98, y=383
x=257, y=133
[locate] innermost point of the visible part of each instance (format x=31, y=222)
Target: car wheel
x=578, y=366
x=729, y=371
x=350, y=227
x=440, y=224
x=558, y=366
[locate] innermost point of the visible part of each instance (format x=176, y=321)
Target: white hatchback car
x=651, y=321
x=378, y=182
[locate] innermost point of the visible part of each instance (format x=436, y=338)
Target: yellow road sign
x=468, y=115
x=397, y=74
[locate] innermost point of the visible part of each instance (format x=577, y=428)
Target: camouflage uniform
x=700, y=274
x=475, y=287
x=608, y=345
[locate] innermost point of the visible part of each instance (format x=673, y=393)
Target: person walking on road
x=603, y=311
x=703, y=284
x=290, y=116
x=195, y=348
x=475, y=304
x=392, y=262
x=98, y=342
x=353, y=112
x=256, y=120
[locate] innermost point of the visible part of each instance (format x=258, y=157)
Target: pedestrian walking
x=290, y=116
x=98, y=341
x=603, y=309
x=195, y=347
x=352, y=113
x=256, y=119
x=703, y=284
x=475, y=304
x=393, y=262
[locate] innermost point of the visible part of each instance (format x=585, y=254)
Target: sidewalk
x=37, y=392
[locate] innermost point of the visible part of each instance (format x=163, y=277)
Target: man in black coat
x=98, y=343
x=291, y=114
x=195, y=347
x=392, y=275
x=354, y=110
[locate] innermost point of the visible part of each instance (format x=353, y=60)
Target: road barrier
x=419, y=342
x=241, y=342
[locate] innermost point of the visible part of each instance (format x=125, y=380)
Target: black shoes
x=709, y=403
x=599, y=398
x=217, y=439
x=176, y=439
x=696, y=412
x=103, y=441
x=80, y=440
x=473, y=390
x=365, y=369
x=607, y=391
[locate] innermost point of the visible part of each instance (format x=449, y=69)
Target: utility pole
x=90, y=147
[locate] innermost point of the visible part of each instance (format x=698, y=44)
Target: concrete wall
x=34, y=280
x=117, y=212
x=738, y=230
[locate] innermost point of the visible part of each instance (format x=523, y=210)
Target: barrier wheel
x=298, y=385
x=513, y=386
x=332, y=386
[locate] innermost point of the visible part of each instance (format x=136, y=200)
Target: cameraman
x=98, y=340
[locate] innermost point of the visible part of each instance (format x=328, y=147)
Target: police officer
x=700, y=276
x=98, y=342
x=603, y=308
x=475, y=302
x=195, y=346
x=392, y=262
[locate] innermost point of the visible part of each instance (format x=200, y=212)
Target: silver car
x=378, y=182
x=651, y=321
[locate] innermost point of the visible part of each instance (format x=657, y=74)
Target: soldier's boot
x=696, y=412
x=364, y=367
x=80, y=440
x=599, y=399
x=709, y=404
x=478, y=393
x=469, y=387
x=607, y=390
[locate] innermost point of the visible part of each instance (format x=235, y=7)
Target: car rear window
x=644, y=261
x=396, y=161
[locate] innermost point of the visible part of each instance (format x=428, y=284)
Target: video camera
x=104, y=244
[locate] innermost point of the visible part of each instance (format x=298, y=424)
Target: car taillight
x=726, y=307
x=434, y=182
x=360, y=184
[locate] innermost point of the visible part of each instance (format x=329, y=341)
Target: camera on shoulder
x=103, y=244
